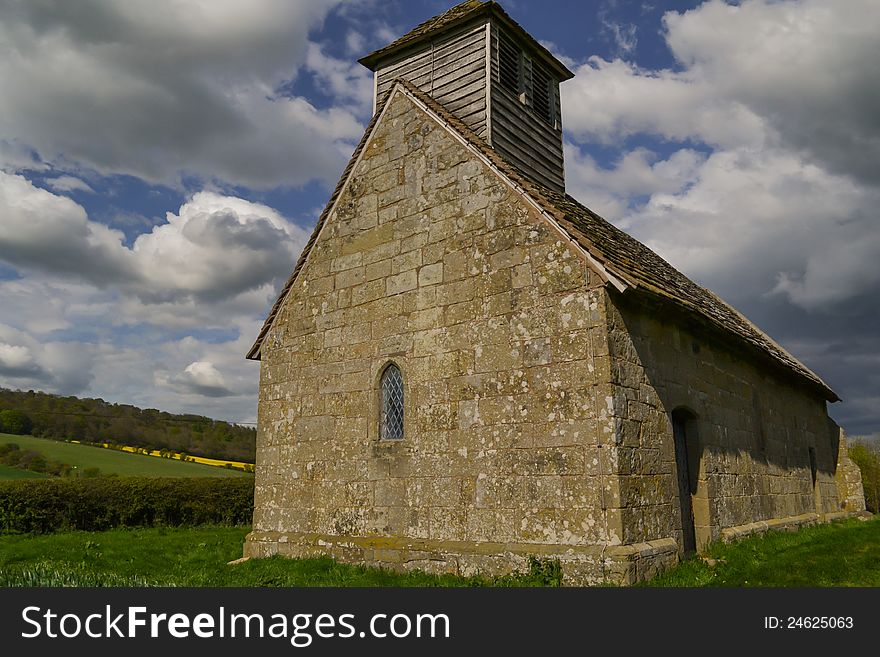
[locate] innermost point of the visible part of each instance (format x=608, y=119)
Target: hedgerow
x=53, y=505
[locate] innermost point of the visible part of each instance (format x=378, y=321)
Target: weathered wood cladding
x=451, y=68
x=519, y=134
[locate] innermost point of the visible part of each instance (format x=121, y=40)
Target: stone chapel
x=468, y=367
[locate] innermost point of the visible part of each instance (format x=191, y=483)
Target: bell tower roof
x=450, y=19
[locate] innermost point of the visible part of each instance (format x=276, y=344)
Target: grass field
x=845, y=553
x=113, y=462
x=8, y=472
x=841, y=554
x=190, y=557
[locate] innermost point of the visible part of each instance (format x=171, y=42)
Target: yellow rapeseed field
x=179, y=456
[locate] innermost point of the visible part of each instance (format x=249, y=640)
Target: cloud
x=15, y=156
x=170, y=89
x=786, y=98
x=837, y=273
x=355, y=44
x=808, y=69
x=345, y=80
x=755, y=223
x=92, y=315
x=202, y=378
x=609, y=100
x=755, y=169
x=29, y=362
x=638, y=173
x=800, y=75
x=130, y=362
x=48, y=232
x=17, y=361
x=69, y=184
x=216, y=248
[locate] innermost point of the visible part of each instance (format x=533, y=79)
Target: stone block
x=430, y=274
x=401, y=282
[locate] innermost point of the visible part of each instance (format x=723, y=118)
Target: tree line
x=95, y=420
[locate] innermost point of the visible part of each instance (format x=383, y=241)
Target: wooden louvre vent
x=541, y=86
x=509, y=66
x=526, y=79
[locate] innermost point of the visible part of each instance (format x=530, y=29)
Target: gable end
x=476, y=147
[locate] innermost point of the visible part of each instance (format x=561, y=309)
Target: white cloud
x=108, y=350
x=786, y=96
x=52, y=233
x=623, y=35
x=29, y=362
x=609, y=100
x=69, y=184
x=611, y=192
x=169, y=89
x=94, y=316
x=799, y=74
x=15, y=156
x=202, y=378
x=345, y=80
x=757, y=222
x=216, y=248
x=808, y=68
x=16, y=361
x=355, y=44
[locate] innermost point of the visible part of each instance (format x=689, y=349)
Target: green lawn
x=189, y=557
x=845, y=553
x=111, y=461
x=9, y=472
x=841, y=554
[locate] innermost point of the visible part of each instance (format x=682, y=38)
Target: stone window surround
x=399, y=360
x=391, y=403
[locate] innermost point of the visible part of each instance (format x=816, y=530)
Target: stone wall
x=754, y=429
x=850, y=491
x=430, y=261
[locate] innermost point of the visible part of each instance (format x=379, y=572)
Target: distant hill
x=82, y=458
x=95, y=420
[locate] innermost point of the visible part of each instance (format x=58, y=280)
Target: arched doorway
x=686, y=472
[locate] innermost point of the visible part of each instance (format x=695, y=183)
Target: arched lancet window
x=391, y=397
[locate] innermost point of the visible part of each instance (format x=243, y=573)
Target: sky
x=162, y=164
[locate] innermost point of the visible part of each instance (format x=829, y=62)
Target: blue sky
x=162, y=164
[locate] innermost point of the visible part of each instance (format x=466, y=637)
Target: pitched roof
x=623, y=258
x=460, y=13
